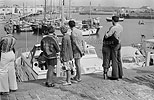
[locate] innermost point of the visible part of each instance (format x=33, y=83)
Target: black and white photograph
x=76, y=49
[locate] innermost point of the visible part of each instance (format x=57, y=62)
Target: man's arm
x=63, y=47
x=56, y=46
x=109, y=32
x=41, y=45
x=84, y=45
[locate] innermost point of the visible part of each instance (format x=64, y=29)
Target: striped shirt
x=7, y=43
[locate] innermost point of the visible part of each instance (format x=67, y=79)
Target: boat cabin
x=85, y=26
x=91, y=63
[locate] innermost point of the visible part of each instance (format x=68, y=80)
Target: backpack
x=48, y=47
x=111, y=41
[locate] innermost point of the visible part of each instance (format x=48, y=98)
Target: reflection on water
x=132, y=33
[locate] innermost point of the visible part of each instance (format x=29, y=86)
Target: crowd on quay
x=72, y=48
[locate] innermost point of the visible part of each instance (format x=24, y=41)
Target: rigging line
x=37, y=34
x=26, y=40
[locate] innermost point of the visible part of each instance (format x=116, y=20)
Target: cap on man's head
x=71, y=23
x=63, y=29
x=115, y=18
x=51, y=29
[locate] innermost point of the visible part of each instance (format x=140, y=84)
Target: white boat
x=90, y=63
x=132, y=57
x=88, y=32
x=86, y=29
x=2, y=20
x=109, y=19
x=141, y=22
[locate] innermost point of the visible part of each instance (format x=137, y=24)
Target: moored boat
x=88, y=27
x=37, y=29
x=132, y=57
x=90, y=63
x=141, y=22
x=2, y=21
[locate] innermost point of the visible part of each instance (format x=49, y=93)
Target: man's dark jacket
x=50, y=46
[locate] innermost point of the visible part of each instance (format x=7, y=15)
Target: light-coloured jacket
x=77, y=39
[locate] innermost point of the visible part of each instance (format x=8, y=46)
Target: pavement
x=137, y=84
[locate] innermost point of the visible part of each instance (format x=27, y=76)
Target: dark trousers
x=116, y=62
x=106, y=51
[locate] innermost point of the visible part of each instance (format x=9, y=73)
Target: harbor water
x=131, y=34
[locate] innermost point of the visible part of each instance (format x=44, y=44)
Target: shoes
x=13, y=90
x=49, y=84
x=4, y=93
x=74, y=81
x=120, y=77
x=79, y=80
x=112, y=78
x=67, y=83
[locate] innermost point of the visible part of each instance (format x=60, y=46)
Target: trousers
x=112, y=57
x=117, y=70
x=106, y=51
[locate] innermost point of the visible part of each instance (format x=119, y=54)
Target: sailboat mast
x=50, y=8
x=45, y=10
x=90, y=15
x=62, y=13
x=35, y=7
x=23, y=10
x=90, y=10
x=69, y=9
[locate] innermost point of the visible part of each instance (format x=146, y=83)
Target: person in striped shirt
x=7, y=58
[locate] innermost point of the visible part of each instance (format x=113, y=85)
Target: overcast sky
x=119, y=3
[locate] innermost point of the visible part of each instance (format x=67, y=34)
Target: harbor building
x=15, y=9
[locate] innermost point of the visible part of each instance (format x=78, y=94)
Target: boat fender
x=92, y=31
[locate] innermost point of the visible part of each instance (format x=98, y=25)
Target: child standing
x=66, y=53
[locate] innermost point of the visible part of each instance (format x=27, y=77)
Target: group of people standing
x=72, y=47
x=111, y=50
